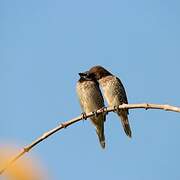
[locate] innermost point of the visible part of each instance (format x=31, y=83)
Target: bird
x=114, y=93
x=91, y=100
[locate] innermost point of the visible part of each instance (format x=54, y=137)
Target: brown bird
x=91, y=100
x=114, y=93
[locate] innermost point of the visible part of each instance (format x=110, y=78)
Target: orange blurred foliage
x=24, y=169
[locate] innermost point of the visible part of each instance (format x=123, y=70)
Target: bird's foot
x=115, y=108
x=104, y=109
x=101, y=109
x=84, y=117
x=95, y=114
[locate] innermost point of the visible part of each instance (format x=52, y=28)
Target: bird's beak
x=83, y=74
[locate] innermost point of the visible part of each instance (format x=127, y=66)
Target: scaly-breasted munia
x=91, y=100
x=114, y=93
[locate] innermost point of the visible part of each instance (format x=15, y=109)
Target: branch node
x=166, y=107
x=26, y=149
x=147, y=107
x=63, y=125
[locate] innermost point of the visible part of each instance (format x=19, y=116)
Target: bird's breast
x=90, y=96
x=110, y=88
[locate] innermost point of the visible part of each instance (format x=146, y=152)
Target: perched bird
x=91, y=100
x=114, y=93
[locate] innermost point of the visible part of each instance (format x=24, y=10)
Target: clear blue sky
x=43, y=46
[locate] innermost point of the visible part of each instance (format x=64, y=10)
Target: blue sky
x=43, y=46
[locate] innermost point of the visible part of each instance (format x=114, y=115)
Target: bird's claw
x=84, y=115
x=104, y=109
x=115, y=108
x=95, y=114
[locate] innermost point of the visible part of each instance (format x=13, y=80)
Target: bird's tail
x=125, y=122
x=100, y=133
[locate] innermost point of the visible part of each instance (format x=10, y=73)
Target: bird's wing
x=123, y=92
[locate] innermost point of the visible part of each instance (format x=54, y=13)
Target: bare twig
x=81, y=117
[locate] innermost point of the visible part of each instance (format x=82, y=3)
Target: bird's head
x=98, y=72
x=87, y=76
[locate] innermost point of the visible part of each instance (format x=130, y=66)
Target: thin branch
x=85, y=116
